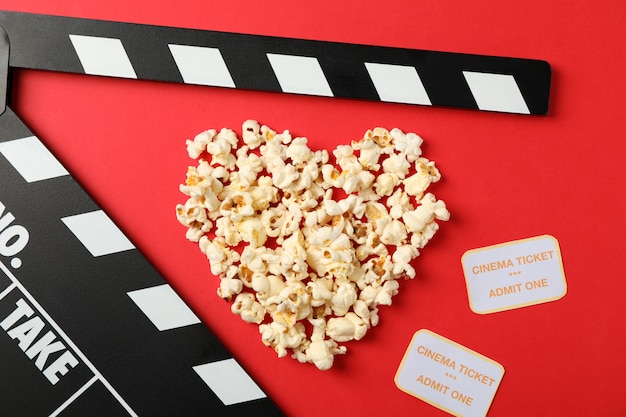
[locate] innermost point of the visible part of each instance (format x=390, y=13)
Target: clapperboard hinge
x=4, y=69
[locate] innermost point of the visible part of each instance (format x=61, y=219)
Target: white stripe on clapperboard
x=226, y=378
x=61, y=333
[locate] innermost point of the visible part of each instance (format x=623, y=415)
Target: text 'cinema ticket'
x=448, y=376
x=514, y=274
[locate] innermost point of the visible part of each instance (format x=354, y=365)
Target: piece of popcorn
x=360, y=231
x=219, y=173
x=199, y=143
x=373, y=241
x=248, y=308
x=252, y=231
x=229, y=287
x=375, y=211
x=321, y=291
x=374, y=318
x=374, y=295
x=293, y=217
x=268, y=134
x=353, y=204
x=293, y=247
x=220, y=148
x=344, y=297
x=398, y=203
x=339, y=222
x=251, y=133
x=396, y=164
x=236, y=205
x=332, y=208
x=408, y=144
x=290, y=305
x=267, y=287
x=299, y=201
x=283, y=176
x=246, y=275
x=219, y=256
x=426, y=173
x=427, y=167
x=320, y=312
x=308, y=174
x=273, y=219
x=416, y=184
x=346, y=328
x=332, y=177
x=320, y=157
x=387, y=291
x=193, y=214
x=369, y=153
x=439, y=208
x=357, y=271
x=402, y=258
x=229, y=136
x=377, y=214
x=386, y=183
x=322, y=216
x=372, y=246
x=249, y=166
x=195, y=184
x=362, y=310
x=382, y=138
x=281, y=337
x=227, y=230
x=356, y=179
x=323, y=236
x=393, y=233
x=283, y=138
x=330, y=252
x=421, y=238
x=256, y=258
x=194, y=233
x=428, y=210
x=263, y=195
x=298, y=151
x=333, y=261
x=377, y=270
x=273, y=156
x=344, y=155
x=321, y=352
x=368, y=194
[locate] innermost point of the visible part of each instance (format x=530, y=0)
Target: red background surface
x=505, y=177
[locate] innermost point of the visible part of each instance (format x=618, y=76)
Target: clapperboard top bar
x=242, y=61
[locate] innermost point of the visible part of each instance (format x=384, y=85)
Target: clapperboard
x=87, y=325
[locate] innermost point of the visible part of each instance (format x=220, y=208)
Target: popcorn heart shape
x=304, y=246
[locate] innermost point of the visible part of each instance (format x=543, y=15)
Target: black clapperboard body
x=87, y=325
